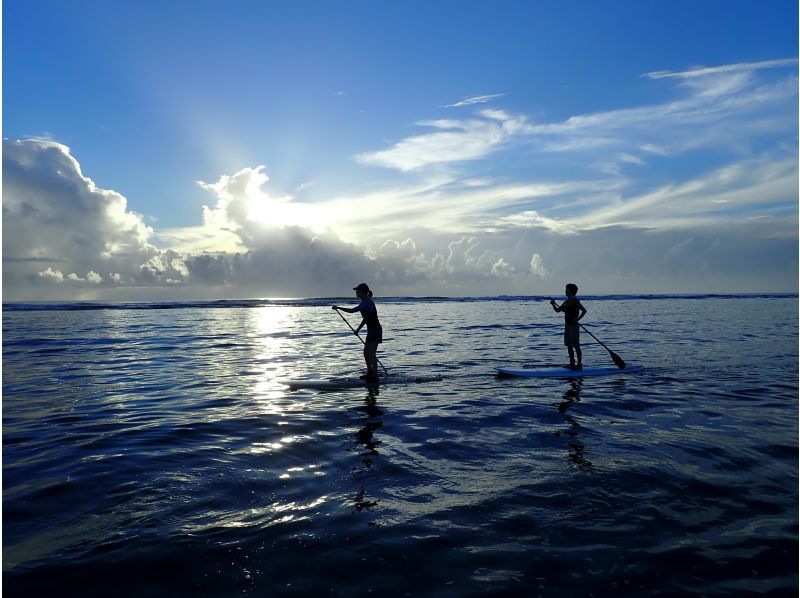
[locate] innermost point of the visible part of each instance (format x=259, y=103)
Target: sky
x=173, y=149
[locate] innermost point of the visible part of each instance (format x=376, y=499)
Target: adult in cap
x=369, y=318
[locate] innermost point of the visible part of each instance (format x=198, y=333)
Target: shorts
x=572, y=335
x=375, y=335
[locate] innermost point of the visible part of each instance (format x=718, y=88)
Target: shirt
x=369, y=312
x=571, y=309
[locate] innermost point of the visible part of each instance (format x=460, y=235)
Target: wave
x=14, y=306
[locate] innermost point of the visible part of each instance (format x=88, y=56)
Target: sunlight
x=263, y=209
x=269, y=324
x=269, y=327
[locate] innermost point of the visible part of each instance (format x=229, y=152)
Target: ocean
x=150, y=449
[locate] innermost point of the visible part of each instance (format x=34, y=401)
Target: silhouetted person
x=573, y=312
x=369, y=317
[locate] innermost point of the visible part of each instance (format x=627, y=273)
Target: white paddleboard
x=562, y=372
x=334, y=383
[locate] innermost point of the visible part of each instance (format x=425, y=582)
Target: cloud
x=729, y=107
x=51, y=209
x=694, y=194
x=475, y=100
x=51, y=275
x=728, y=68
x=502, y=269
x=723, y=107
x=766, y=186
x=456, y=141
x=245, y=209
x=537, y=267
x=58, y=226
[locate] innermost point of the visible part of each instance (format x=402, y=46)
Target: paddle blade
x=618, y=360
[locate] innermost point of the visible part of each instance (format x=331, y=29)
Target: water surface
x=150, y=449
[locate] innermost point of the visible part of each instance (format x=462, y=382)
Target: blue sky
x=208, y=149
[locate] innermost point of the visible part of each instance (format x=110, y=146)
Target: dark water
x=150, y=450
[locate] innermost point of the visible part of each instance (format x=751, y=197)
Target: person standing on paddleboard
x=573, y=312
x=369, y=317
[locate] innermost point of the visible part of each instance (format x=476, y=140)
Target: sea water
x=151, y=450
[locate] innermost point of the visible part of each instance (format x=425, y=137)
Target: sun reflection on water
x=270, y=330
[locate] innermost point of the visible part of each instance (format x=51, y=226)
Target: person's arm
x=555, y=307
x=582, y=310
x=350, y=310
x=360, y=326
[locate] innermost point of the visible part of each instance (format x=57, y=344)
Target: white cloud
x=51, y=275
x=54, y=215
x=94, y=277
x=537, y=267
x=629, y=159
x=705, y=117
x=475, y=100
x=246, y=211
x=66, y=238
x=502, y=269
x=457, y=141
x=531, y=218
x=766, y=186
x=727, y=68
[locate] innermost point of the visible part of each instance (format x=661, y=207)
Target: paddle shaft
x=593, y=336
x=363, y=342
x=617, y=359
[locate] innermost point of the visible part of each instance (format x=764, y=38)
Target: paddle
x=363, y=342
x=617, y=359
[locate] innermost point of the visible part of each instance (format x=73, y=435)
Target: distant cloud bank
x=65, y=238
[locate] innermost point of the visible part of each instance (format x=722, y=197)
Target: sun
x=263, y=209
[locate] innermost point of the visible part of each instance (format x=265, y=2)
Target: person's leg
x=579, y=355
x=366, y=358
x=371, y=357
x=571, y=339
x=568, y=346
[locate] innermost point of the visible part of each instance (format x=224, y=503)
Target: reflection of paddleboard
x=562, y=372
x=334, y=383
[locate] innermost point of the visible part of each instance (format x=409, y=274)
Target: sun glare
x=283, y=212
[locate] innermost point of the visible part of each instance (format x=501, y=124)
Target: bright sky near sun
x=199, y=149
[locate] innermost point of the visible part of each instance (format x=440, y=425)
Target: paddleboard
x=334, y=383
x=562, y=372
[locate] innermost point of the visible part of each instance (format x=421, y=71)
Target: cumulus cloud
x=58, y=226
x=51, y=275
x=537, y=267
x=66, y=238
x=244, y=209
x=503, y=269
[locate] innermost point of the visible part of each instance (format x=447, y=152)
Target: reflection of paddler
x=365, y=437
x=369, y=318
x=577, y=453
